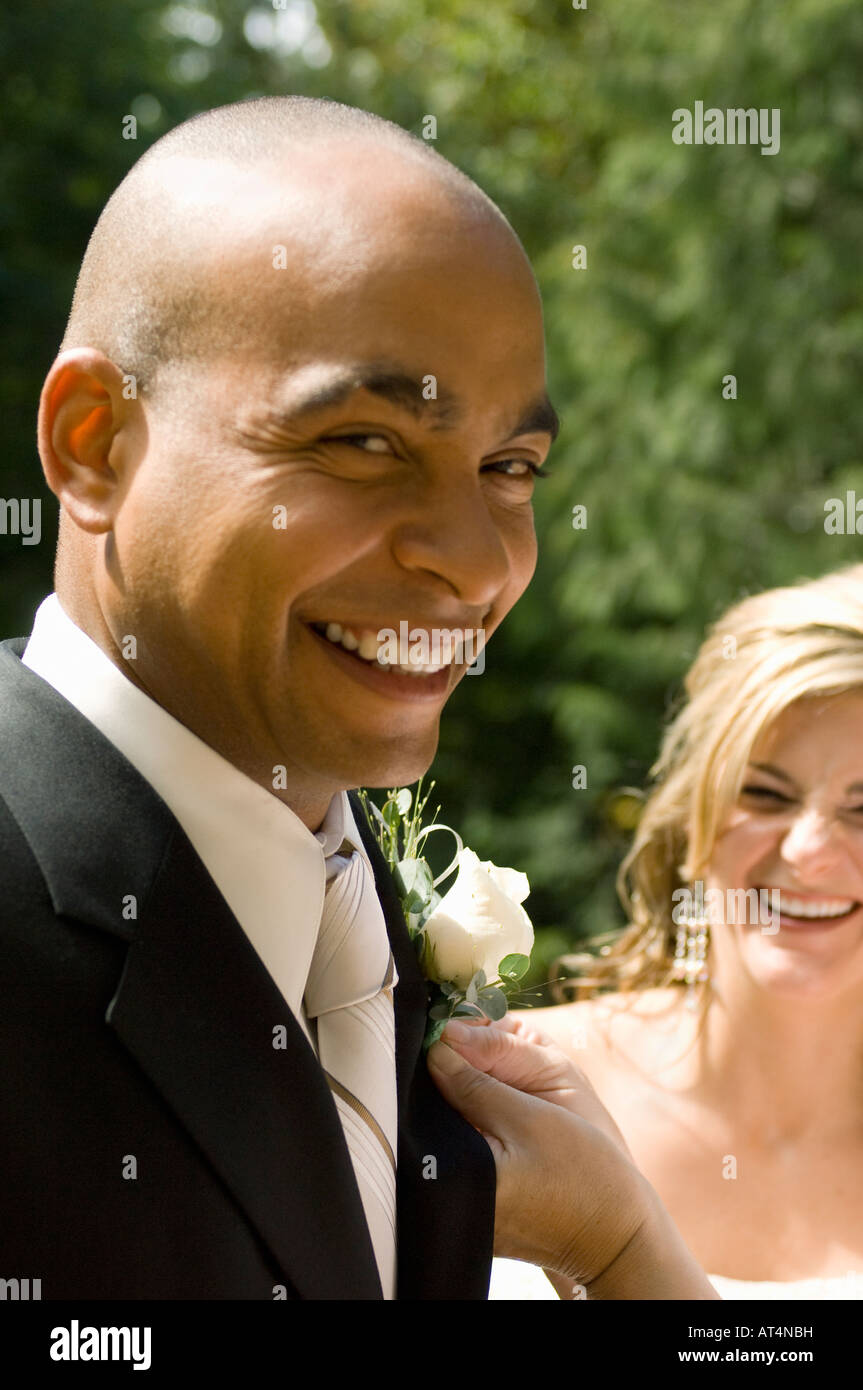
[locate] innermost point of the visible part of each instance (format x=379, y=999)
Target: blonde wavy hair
x=763, y=655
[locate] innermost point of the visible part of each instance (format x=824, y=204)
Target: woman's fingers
x=509, y=1055
x=520, y=1056
x=493, y=1107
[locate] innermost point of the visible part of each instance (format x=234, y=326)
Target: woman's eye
x=766, y=793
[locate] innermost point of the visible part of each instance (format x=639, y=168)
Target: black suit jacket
x=144, y=1045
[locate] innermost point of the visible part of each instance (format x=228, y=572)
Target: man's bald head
x=155, y=286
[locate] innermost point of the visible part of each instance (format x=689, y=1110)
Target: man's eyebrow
x=539, y=418
x=397, y=387
x=407, y=392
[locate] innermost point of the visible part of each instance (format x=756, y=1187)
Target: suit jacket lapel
x=194, y=1006
x=200, y=1013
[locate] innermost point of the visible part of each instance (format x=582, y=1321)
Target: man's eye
x=518, y=468
x=362, y=441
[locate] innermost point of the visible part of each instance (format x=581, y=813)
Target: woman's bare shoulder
x=588, y=1023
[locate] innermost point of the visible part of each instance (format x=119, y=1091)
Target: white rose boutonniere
x=473, y=943
x=478, y=923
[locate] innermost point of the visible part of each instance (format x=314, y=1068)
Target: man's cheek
x=525, y=554
x=524, y=569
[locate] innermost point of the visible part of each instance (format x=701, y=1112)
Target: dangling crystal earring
x=690, y=954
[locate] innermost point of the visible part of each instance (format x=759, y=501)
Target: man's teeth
x=367, y=647
x=814, y=907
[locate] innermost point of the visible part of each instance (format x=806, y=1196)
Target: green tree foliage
x=702, y=261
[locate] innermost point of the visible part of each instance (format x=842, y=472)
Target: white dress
x=516, y=1281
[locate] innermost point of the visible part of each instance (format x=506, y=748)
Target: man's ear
x=81, y=413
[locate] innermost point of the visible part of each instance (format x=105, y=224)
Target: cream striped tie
x=350, y=992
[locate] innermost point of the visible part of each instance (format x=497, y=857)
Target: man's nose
x=453, y=536
x=811, y=843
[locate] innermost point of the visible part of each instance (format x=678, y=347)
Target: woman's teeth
x=367, y=647
x=814, y=908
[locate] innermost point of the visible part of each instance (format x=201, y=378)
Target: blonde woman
x=723, y=1029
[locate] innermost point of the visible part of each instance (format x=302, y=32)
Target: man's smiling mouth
x=373, y=648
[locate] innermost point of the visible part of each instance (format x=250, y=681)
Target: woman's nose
x=811, y=843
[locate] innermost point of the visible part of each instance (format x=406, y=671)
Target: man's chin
x=403, y=775
x=394, y=767
x=325, y=753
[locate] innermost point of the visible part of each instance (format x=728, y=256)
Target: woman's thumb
x=494, y=1109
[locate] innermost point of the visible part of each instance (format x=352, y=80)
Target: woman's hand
x=569, y=1196
x=517, y=1052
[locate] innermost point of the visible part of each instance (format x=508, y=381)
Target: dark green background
x=701, y=261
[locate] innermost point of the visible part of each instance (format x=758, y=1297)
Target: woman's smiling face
x=797, y=827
